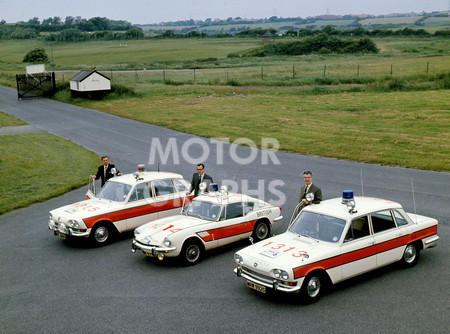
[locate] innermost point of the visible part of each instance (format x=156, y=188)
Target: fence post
x=164, y=76
x=358, y=71
x=324, y=70
x=427, y=67
x=262, y=72
x=293, y=71
x=194, y=75
x=391, y=71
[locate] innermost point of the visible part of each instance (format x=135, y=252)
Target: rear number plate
x=256, y=287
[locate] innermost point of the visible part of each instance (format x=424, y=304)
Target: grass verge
x=39, y=166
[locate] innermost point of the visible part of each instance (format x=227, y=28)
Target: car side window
x=141, y=191
x=359, y=228
x=163, y=187
x=248, y=207
x=233, y=210
x=399, y=218
x=180, y=186
x=382, y=221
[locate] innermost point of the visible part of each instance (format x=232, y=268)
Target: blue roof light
x=347, y=195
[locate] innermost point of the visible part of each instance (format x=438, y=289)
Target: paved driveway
x=47, y=285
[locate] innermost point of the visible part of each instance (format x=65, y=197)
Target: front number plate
x=61, y=235
x=256, y=287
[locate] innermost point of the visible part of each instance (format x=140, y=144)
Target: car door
x=388, y=237
x=140, y=206
x=358, y=253
x=167, y=199
x=231, y=224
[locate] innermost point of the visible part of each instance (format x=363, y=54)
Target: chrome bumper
x=278, y=218
x=430, y=241
x=274, y=285
x=67, y=231
x=153, y=250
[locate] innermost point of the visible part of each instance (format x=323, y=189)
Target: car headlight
x=136, y=232
x=238, y=259
x=50, y=216
x=167, y=242
x=73, y=223
x=281, y=274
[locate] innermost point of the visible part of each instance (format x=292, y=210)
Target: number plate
x=61, y=235
x=256, y=287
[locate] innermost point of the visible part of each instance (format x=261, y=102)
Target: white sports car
x=209, y=221
x=124, y=203
x=335, y=240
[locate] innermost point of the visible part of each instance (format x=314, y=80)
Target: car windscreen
x=318, y=226
x=114, y=191
x=204, y=210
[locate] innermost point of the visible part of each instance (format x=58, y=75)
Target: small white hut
x=89, y=82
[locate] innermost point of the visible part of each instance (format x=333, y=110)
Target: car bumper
x=150, y=250
x=271, y=284
x=430, y=241
x=64, y=232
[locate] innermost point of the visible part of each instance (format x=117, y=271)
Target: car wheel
x=312, y=288
x=191, y=252
x=101, y=234
x=261, y=230
x=410, y=256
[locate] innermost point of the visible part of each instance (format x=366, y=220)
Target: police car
x=211, y=220
x=124, y=203
x=333, y=241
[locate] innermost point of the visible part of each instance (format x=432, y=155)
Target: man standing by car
x=106, y=171
x=198, y=178
x=309, y=187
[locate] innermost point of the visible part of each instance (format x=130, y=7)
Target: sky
x=156, y=11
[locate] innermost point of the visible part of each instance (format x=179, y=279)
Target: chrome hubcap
x=261, y=231
x=313, y=287
x=410, y=253
x=192, y=253
x=101, y=234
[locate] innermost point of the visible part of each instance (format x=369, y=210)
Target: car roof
x=364, y=205
x=215, y=197
x=145, y=177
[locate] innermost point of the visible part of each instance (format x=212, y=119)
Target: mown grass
x=394, y=128
x=39, y=166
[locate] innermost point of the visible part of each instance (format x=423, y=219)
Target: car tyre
x=410, y=256
x=261, y=230
x=102, y=234
x=191, y=253
x=312, y=287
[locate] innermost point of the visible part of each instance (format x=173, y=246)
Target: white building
x=89, y=82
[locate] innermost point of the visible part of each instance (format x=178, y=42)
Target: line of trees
x=72, y=33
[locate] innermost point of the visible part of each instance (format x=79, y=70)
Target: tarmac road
x=51, y=286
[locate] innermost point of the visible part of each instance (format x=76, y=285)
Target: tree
x=34, y=21
x=69, y=20
x=37, y=55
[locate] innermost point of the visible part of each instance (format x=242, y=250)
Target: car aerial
x=333, y=241
x=211, y=220
x=122, y=204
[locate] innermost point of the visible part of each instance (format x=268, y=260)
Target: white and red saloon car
x=123, y=203
x=209, y=221
x=333, y=241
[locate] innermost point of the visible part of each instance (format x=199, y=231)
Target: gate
x=35, y=85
